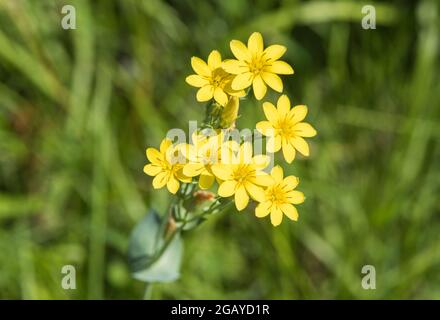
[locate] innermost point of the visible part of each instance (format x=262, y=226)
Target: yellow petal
x=273, y=144
x=276, y=216
x=290, y=182
x=274, y=52
x=214, y=60
x=290, y=211
x=173, y=185
x=220, y=96
x=205, y=93
x=256, y=192
x=230, y=146
x=295, y=197
x=193, y=169
x=189, y=151
x=263, y=209
x=206, y=181
x=222, y=171
x=288, y=152
x=262, y=179
x=260, y=161
x=270, y=112
x=304, y=129
x=152, y=169
x=298, y=113
x=211, y=150
x=242, y=81
x=234, y=66
x=227, y=153
x=160, y=180
x=266, y=128
x=283, y=106
x=277, y=174
x=196, y=81
x=227, y=88
x=279, y=67
x=255, y=44
x=154, y=156
x=273, y=81
x=164, y=145
x=239, y=50
x=245, y=153
x=197, y=138
x=241, y=198
x=235, y=93
x=182, y=177
x=172, y=154
x=200, y=67
x=227, y=188
x=259, y=87
x=301, y=145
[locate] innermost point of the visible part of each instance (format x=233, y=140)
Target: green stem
x=168, y=241
x=210, y=210
x=165, y=245
x=148, y=293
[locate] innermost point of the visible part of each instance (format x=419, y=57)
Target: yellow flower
x=257, y=66
x=212, y=80
x=165, y=167
x=202, y=154
x=280, y=197
x=242, y=176
x=284, y=128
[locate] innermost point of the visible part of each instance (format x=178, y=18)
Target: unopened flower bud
x=230, y=113
x=202, y=196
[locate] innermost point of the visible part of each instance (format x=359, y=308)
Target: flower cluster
x=213, y=157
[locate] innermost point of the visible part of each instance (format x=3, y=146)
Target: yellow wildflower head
x=284, y=128
x=212, y=80
x=280, y=197
x=165, y=167
x=242, y=176
x=257, y=66
x=202, y=154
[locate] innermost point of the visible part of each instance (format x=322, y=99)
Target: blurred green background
x=79, y=107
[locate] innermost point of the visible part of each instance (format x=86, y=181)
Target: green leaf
x=146, y=242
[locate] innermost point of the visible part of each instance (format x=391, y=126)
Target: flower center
x=256, y=65
x=243, y=173
x=169, y=168
x=276, y=194
x=285, y=128
x=218, y=77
